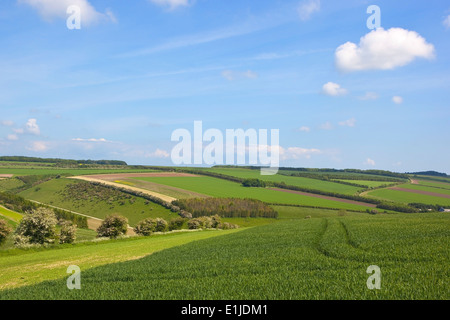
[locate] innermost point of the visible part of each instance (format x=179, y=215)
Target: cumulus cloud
x=90, y=140
x=233, y=75
x=172, y=4
x=348, y=123
x=12, y=137
x=369, y=162
x=6, y=123
x=383, y=50
x=297, y=153
x=50, y=9
x=307, y=8
x=159, y=154
x=32, y=127
x=304, y=129
x=397, y=99
x=333, y=89
x=38, y=146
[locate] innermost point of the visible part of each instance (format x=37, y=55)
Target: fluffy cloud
x=304, y=129
x=38, y=146
x=333, y=89
x=348, y=123
x=50, y=9
x=172, y=4
x=233, y=75
x=90, y=140
x=12, y=137
x=397, y=99
x=383, y=50
x=297, y=153
x=32, y=127
x=307, y=8
x=6, y=123
x=369, y=162
x=159, y=154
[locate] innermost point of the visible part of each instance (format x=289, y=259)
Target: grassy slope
x=223, y=188
x=48, y=193
x=319, y=258
x=425, y=188
x=368, y=182
x=295, y=181
x=407, y=197
x=440, y=185
x=28, y=267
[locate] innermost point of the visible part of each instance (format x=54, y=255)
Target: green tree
x=113, y=226
x=37, y=227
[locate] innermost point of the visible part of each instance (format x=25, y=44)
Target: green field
x=21, y=267
x=420, y=187
x=407, y=197
x=369, y=183
x=438, y=185
x=294, y=181
x=11, y=215
x=222, y=188
x=49, y=193
x=317, y=258
x=64, y=171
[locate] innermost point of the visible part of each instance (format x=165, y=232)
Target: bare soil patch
x=427, y=193
x=4, y=175
x=370, y=205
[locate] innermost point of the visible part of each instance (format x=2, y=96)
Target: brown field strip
x=370, y=205
x=4, y=175
x=426, y=193
x=99, y=179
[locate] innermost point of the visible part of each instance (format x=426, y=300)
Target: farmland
x=319, y=258
x=317, y=247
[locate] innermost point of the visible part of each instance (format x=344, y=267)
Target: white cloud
x=159, y=154
x=32, y=127
x=233, y=75
x=172, y=4
x=348, y=123
x=304, y=129
x=90, y=140
x=383, y=50
x=333, y=89
x=297, y=153
x=397, y=99
x=18, y=130
x=326, y=126
x=38, y=146
x=369, y=96
x=50, y=9
x=12, y=137
x=446, y=22
x=307, y=8
x=6, y=123
x=369, y=162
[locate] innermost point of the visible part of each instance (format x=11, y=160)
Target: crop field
x=369, y=183
x=420, y=187
x=408, y=197
x=439, y=185
x=99, y=204
x=318, y=258
x=221, y=188
x=294, y=181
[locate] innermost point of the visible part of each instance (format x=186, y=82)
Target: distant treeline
x=227, y=207
x=19, y=204
x=429, y=173
x=62, y=161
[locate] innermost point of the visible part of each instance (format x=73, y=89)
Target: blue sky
x=137, y=70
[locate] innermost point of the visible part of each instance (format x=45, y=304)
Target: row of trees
x=60, y=162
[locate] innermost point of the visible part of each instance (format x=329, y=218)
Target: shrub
x=113, y=226
x=145, y=227
x=216, y=221
x=37, y=227
x=176, y=223
x=161, y=225
x=5, y=230
x=68, y=232
x=195, y=223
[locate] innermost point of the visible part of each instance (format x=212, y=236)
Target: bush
x=145, y=227
x=176, y=223
x=37, y=227
x=161, y=225
x=195, y=223
x=113, y=226
x=68, y=233
x=5, y=230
